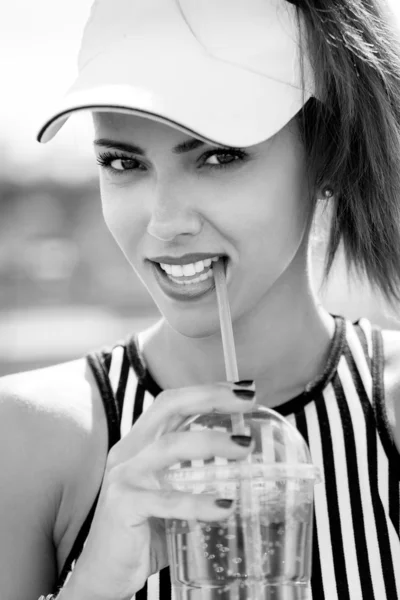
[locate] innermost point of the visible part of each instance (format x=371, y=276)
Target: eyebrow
x=187, y=146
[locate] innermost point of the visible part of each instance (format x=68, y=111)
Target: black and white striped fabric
x=356, y=552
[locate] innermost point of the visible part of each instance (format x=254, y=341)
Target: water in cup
x=210, y=557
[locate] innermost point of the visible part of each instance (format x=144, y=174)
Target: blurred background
x=65, y=287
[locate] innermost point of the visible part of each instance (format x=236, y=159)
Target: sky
x=39, y=43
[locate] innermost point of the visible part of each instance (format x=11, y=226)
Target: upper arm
x=28, y=502
x=52, y=449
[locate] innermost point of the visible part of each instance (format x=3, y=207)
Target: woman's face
x=166, y=194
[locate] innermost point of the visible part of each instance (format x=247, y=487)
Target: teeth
x=199, y=266
x=176, y=270
x=188, y=270
x=201, y=277
x=167, y=269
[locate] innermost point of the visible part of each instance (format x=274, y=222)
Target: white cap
x=232, y=72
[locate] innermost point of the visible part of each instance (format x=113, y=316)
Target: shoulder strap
x=379, y=400
x=99, y=363
x=134, y=353
x=363, y=330
x=98, y=366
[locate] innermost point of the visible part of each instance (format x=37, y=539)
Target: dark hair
x=352, y=134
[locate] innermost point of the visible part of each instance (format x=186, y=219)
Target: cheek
x=269, y=212
x=288, y=207
x=123, y=219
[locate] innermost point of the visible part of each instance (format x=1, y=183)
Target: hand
x=126, y=542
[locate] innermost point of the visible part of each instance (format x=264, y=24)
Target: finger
x=181, y=403
x=223, y=397
x=173, y=448
x=173, y=407
x=170, y=504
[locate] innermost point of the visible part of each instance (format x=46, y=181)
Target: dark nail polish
x=245, y=383
x=224, y=503
x=244, y=394
x=241, y=440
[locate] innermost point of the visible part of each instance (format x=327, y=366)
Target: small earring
x=327, y=193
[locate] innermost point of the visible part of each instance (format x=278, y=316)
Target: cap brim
x=211, y=99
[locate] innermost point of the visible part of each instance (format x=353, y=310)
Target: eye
x=119, y=163
x=218, y=159
x=124, y=164
x=223, y=158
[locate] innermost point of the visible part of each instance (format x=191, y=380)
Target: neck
x=282, y=345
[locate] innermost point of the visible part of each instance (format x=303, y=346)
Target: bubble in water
x=208, y=528
x=220, y=532
x=225, y=549
x=205, y=554
x=204, y=545
x=236, y=560
x=211, y=556
x=219, y=569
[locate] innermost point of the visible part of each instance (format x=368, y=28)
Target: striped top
x=342, y=416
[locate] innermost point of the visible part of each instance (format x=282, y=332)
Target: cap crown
x=262, y=36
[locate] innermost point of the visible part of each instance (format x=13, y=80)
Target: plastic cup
x=263, y=551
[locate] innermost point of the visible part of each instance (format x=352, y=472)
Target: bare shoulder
x=53, y=407
x=57, y=413
x=391, y=346
x=53, y=446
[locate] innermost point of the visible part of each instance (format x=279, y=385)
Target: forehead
x=141, y=128
x=147, y=132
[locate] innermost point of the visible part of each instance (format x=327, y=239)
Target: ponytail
x=352, y=133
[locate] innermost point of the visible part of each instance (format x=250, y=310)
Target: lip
x=185, y=259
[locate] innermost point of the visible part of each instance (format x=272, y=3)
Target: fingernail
x=241, y=440
x=224, y=502
x=244, y=394
x=246, y=383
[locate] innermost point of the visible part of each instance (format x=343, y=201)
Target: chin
x=195, y=328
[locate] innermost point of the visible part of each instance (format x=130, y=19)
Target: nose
x=173, y=215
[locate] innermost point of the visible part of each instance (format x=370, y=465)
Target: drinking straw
x=228, y=342
x=249, y=521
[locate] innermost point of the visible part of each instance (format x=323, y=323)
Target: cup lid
x=280, y=451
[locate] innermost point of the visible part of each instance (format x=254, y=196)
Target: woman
x=219, y=128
